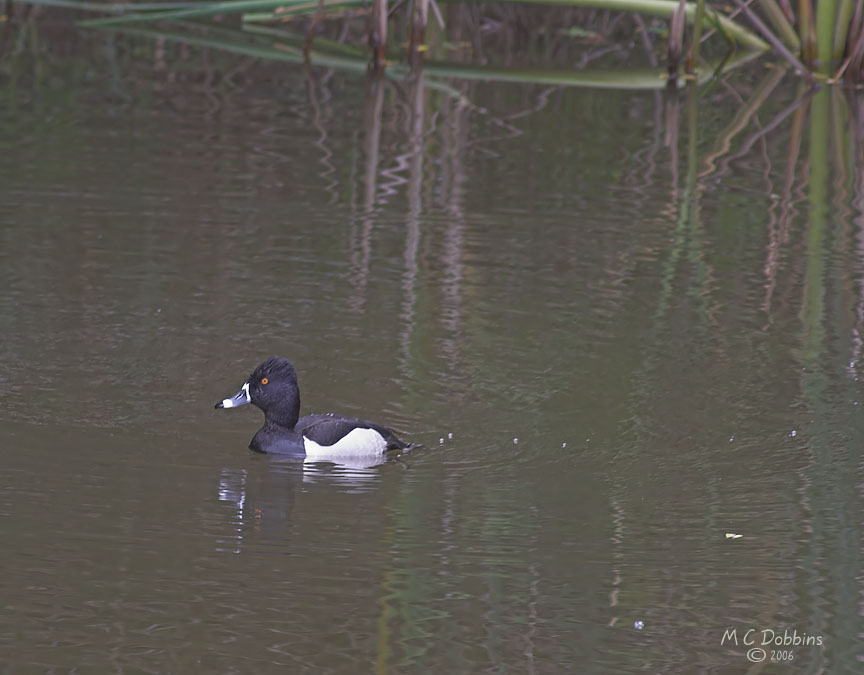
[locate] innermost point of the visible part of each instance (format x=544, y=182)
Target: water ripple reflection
x=616, y=342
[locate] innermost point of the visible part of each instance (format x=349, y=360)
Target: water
x=518, y=263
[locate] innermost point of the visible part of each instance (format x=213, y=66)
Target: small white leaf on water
x=732, y=535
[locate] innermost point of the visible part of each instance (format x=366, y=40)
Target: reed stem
x=676, y=42
x=824, y=35
x=418, y=31
x=693, y=55
x=805, y=31
x=781, y=24
x=664, y=8
x=378, y=33
x=773, y=40
x=841, y=29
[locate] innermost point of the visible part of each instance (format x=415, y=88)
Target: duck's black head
x=272, y=386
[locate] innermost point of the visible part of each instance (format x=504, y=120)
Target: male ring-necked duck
x=272, y=386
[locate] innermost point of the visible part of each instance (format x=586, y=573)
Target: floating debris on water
x=793, y=433
x=515, y=441
x=639, y=624
x=564, y=445
x=732, y=535
x=731, y=439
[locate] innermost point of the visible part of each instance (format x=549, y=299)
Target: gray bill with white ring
x=240, y=398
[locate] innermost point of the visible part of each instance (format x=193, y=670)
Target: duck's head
x=272, y=386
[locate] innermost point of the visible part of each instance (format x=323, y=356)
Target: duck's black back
x=327, y=430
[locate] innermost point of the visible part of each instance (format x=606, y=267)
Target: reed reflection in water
x=622, y=324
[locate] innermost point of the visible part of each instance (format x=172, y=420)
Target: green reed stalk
x=773, y=39
x=132, y=13
x=664, y=8
x=109, y=8
x=693, y=56
x=274, y=44
x=841, y=28
x=781, y=24
x=824, y=35
x=214, y=8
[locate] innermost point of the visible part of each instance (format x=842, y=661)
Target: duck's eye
x=264, y=381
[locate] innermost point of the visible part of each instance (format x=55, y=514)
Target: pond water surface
x=618, y=344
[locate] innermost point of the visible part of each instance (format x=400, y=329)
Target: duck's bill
x=240, y=398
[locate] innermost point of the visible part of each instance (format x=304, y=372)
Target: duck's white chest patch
x=356, y=443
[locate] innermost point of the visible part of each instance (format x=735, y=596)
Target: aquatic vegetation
x=823, y=44
x=281, y=22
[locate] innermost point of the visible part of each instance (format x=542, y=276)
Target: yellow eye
x=264, y=381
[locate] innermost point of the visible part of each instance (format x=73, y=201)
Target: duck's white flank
x=357, y=443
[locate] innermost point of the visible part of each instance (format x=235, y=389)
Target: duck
x=273, y=388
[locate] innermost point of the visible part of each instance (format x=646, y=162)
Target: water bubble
x=639, y=624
